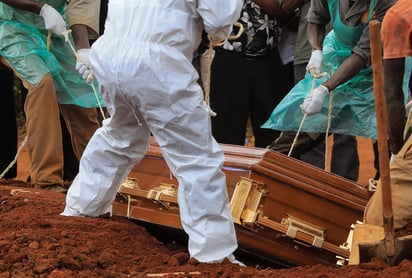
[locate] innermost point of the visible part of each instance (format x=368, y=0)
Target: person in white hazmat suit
x=149, y=85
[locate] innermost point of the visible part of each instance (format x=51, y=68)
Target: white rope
x=90, y=76
x=301, y=122
x=328, y=126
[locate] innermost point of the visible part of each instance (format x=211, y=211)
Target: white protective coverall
x=143, y=65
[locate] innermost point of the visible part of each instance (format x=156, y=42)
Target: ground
x=36, y=241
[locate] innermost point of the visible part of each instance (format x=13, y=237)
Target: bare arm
x=80, y=36
x=393, y=81
x=83, y=19
x=348, y=69
x=28, y=5
x=278, y=8
x=316, y=35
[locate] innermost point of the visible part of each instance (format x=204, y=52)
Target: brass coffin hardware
x=294, y=225
x=164, y=194
x=246, y=201
x=246, y=211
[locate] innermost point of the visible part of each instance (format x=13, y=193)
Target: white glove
x=83, y=65
x=393, y=157
x=408, y=108
x=313, y=103
x=314, y=66
x=53, y=21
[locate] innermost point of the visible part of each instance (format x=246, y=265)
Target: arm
x=279, y=8
x=28, y=5
x=80, y=36
x=316, y=35
x=348, y=69
x=393, y=81
x=217, y=18
x=83, y=18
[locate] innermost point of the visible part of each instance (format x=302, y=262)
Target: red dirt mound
x=36, y=241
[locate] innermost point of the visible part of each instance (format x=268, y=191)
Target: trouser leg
x=70, y=161
x=299, y=72
x=285, y=143
x=196, y=160
x=345, y=158
x=110, y=155
x=401, y=187
x=44, y=134
x=81, y=123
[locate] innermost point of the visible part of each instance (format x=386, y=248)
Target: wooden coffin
x=284, y=209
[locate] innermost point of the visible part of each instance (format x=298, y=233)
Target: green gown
x=23, y=43
x=353, y=110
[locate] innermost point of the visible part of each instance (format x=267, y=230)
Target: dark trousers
x=242, y=88
x=9, y=139
x=345, y=158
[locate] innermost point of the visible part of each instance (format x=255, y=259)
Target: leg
x=81, y=123
x=299, y=72
x=401, y=189
x=108, y=158
x=45, y=148
x=271, y=80
x=183, y=131
x=316, y=155
x=196, y=160
x=70, y=161
x=345, y=158
x=229, y=98
x=304, y=142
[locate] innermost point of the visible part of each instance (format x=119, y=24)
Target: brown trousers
x=44, y=135
x=401, y=186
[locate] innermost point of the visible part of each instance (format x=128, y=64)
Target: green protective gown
x=23, y=43
x=353, y=110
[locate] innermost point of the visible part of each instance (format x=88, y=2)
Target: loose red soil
x=36, y=241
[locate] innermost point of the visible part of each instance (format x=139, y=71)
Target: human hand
x=314, y=66
x=313, y=103
x=408, y=108
x=53, y=21
x=83, y=64
x=393, y=157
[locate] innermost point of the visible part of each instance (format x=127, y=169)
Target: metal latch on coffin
x=296, y=225
x=246, y=201
x=155, y=194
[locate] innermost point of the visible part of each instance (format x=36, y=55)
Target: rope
x=48, y=44
x=328, y=125
x=23, y=144
x=49, y=34
x=301, y=122
x=91, y=75
x=213, y=43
